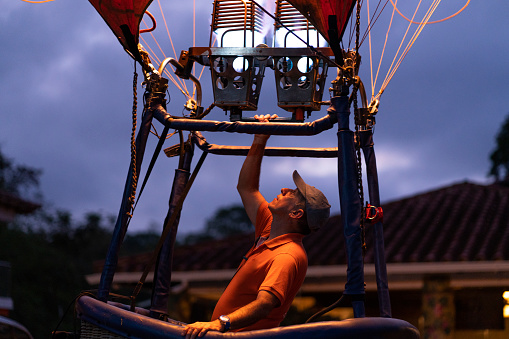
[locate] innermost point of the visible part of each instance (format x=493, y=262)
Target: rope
x=398, y=58
x=194, y=30
x=373, y=19
x=326, y=309
x=373, y=82
x=133, y=143
x=36, y=2
x=155, y=57
x=432, y=22
x=181, y=86
x=396, y=63
x=352, y=30
x=202, y=69
x=370, y=50
x=178, y=82
x=171, y=42
x=357, y=142
x=157, y=150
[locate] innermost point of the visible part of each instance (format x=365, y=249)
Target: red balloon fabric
x=123, y=17
x=318, y=12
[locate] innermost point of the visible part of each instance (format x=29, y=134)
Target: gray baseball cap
x=317, y=206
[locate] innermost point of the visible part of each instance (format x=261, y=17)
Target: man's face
x=285, y=202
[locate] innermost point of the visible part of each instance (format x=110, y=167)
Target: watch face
x=225, y=320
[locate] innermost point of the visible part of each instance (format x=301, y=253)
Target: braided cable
x=134, y=183
x=357, y=135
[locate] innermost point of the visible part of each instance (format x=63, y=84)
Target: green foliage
x=500, y=156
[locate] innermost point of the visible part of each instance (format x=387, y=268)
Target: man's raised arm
x=249, y=177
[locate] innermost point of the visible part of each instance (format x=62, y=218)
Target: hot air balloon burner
x=234, y=22
x=237, y=79
x=300, y=81
x=237, y=75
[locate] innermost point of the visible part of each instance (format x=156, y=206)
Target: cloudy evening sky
x=66, y=97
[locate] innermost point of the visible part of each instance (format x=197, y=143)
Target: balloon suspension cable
x=178, y=82
x=372, y=19
x=431, y=22
x=398, y=58
x=180, y=85
x=312, y=48
x=396, y=62
x=37, y=2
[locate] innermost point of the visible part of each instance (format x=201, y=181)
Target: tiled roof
x=14, y=202
x=462, y=222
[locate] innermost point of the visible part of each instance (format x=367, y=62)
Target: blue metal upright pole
x=111, y=261
x=350, y=205
x=384, y=301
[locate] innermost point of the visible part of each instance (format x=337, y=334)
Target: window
x=506, y=307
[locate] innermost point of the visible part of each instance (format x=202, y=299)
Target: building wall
x=484, y=334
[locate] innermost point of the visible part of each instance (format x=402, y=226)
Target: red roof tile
x=17, y=204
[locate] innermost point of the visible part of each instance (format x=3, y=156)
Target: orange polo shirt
x=278, y=266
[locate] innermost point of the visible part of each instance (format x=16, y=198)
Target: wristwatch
x=225, y=321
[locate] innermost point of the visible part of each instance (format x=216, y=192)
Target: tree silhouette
x=500, y=156
x=19, y=180
x=50, y=253
x=226, y=221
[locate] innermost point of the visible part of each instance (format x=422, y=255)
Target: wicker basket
x=90, y=331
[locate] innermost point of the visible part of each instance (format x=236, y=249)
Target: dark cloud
x=66, y=98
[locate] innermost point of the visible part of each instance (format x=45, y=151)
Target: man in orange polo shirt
x=271, y=273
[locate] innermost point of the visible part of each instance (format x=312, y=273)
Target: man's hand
x=263, y=118
x=199, y=329
x=247, y=315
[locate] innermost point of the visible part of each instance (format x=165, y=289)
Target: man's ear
x=296, y=214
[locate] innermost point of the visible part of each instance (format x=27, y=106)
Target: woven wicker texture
x=90, y=331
